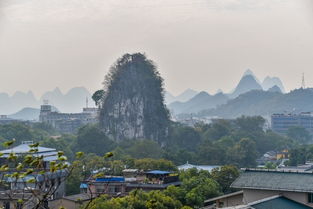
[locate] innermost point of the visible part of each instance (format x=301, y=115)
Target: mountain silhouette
x=246, y=84
x=270, y=82
x=201, y=101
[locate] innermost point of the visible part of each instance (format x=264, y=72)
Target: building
x=198, y=167
x=133, y=179
x=268, y=187
x=275, y=202
x=14, y=189
x=67, y=122
x=4, y=119
x=280, y=123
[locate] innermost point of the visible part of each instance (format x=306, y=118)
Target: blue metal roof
x=157, y=172
x=111, y=179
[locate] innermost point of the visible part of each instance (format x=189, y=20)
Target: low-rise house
x=260, y=184
x=43, y=181
x=121, y=185
x=275, y=202
x=72, y=201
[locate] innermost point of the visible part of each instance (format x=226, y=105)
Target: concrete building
x=280, y=123
x=4, y=119
x=257, y=185
x=21, y=188
x=132, y=179
x=67, y=122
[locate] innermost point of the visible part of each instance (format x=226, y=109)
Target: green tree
x=154, y=164
x=98, y=96
x=225, y=176
x=144, y=149
x=299, y=134
x=91, y=139
x=244, y=153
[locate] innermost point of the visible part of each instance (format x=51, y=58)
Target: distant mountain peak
x=57, y=91
x=246, y=83
x=270, y=82
x=249, y=72
x=275, y=89
x=219, y=91
x=186, y=95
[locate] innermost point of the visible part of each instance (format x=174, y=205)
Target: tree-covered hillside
x=264, y=103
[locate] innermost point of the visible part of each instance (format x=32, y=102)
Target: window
x=310, y=197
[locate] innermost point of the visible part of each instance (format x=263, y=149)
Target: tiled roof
x=275, y=180
x=278, y=203
x=274, y=202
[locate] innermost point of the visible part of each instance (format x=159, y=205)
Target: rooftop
x=24, y=148
x=275, y=180
x=158, y=172
x=199, y=167
x=274, y=202
x=278, y=202
x=78, y=197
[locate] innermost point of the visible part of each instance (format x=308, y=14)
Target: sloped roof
x=274, y=202
x=278, y=202
x=24, y=148
x=275, y=180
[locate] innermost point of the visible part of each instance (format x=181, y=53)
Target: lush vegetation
x=238, y=142
x=225, y=142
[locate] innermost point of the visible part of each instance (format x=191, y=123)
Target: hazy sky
x=201, y=44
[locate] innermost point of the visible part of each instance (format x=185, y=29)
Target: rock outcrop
x=133, y=104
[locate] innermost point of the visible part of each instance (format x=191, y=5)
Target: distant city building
x=4, y=119
x=67, y=122
x=132, y=179
x=282, y=122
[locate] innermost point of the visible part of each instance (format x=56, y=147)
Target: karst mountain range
x=249, y=97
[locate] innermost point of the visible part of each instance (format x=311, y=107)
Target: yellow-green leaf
x=79, y=154
x=108, y=155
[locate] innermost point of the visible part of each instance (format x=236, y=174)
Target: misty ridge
x=72, y=101
x=203, y=101
x=25, y=106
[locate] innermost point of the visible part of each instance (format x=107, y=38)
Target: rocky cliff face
x=133, y=107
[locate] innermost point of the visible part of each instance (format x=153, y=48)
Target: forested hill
x=264, y=103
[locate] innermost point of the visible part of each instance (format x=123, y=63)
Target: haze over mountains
x=72, y=101
x=203, y=100
x=26, y=105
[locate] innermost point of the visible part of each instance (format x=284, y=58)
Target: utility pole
x=303, y=81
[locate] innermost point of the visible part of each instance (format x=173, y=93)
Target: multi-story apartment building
x=67, y=122
x=282, y=122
